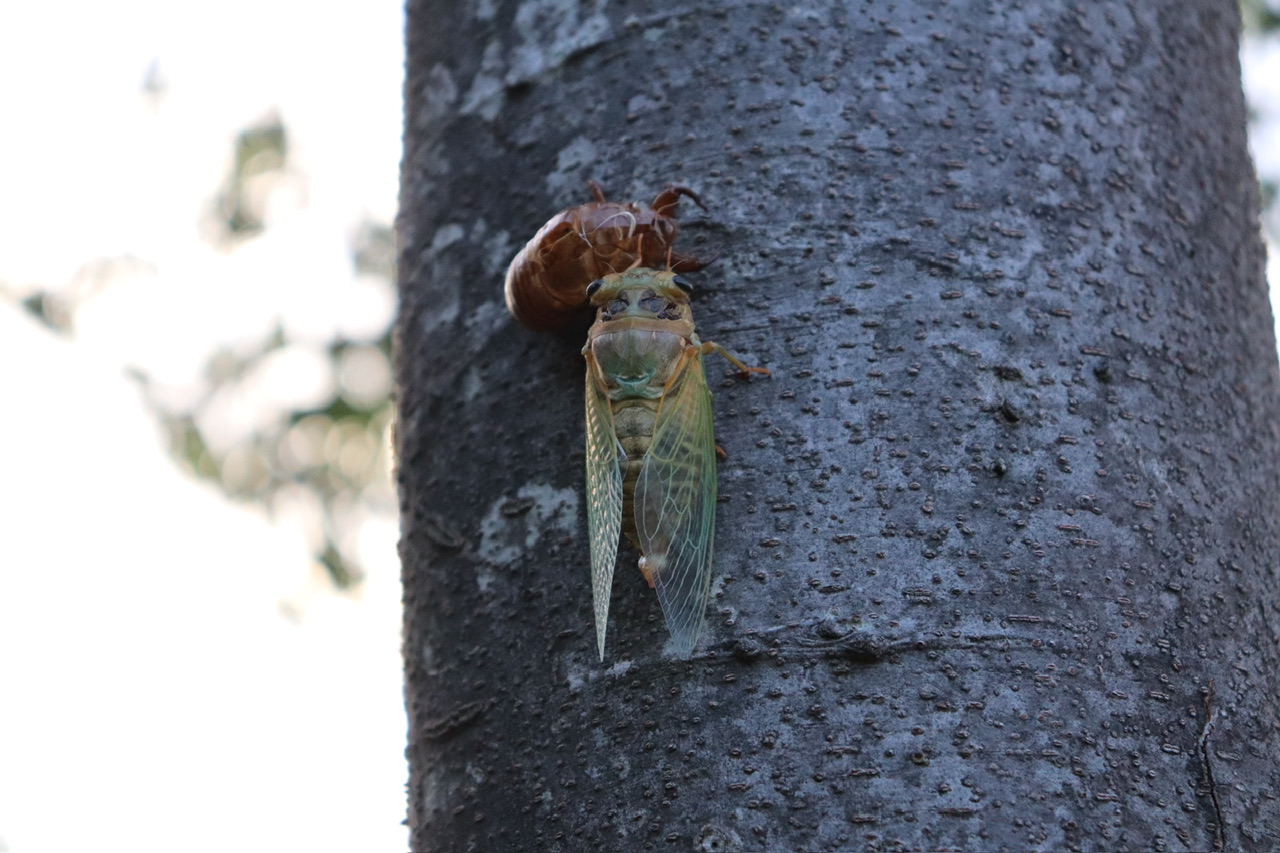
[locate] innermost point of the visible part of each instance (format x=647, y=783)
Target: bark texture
x=995, y=559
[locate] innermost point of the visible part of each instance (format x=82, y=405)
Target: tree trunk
x=994, y=567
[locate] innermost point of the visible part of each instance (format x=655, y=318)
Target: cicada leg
x=744, y=370
x=667, y=200
x=677, y=262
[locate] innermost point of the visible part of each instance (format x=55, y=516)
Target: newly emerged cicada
x=651, y=451
x=546, y=284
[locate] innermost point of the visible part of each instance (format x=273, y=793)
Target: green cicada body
x=651, y=453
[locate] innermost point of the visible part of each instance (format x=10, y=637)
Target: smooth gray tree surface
x=995, y=560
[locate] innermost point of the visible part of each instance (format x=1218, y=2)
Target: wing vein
x=675, y=503
x=604, y=497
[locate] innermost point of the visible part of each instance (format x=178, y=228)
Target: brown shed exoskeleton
x=546, y=284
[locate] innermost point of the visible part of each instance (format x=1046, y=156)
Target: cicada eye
x=683, y=283
x=594, y=286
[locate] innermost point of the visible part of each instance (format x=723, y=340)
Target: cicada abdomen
x=651, y=453
x=546, y=284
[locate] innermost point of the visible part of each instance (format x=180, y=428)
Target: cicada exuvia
x=651, y=451
x=547, y=279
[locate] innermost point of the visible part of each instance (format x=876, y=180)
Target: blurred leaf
x=187, y=443
x=227, y=365
x=373, y=249
x=261, y=148
x=343, y=574
x=336, y=451
x=51, y=310
x=260, y=156
x=1261, y=20
x=56, y=309
x=1260, y=16
x=238, y=217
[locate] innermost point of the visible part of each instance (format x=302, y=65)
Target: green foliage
x=373, y=250
x=56, y=308
x=50, y=309
x=1261, y=20
x=259, y=159
x=328, y=460
x=1260, y=16
x=335, y=452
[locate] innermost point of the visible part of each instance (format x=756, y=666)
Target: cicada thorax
x=546, y=285
x=636, y=363
x=643, y=332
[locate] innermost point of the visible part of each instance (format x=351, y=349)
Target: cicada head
x=547, y=280
x=642, y=294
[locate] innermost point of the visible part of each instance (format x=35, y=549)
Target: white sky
x=1261, y=70
x=152, y=698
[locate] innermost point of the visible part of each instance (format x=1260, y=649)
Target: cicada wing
x=604, y=496
x=675, y=503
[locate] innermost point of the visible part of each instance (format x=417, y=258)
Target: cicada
x=651, y=451
x=546, y=284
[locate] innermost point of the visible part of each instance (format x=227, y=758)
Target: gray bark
x=994, y=567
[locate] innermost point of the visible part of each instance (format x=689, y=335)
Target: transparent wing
x=675, y=503
x=604, y=496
